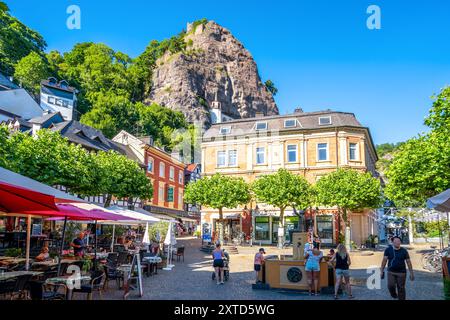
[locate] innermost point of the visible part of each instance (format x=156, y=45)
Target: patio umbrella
x=18, y=199
x=146, y=238
x=170, y=241
x=440, y=202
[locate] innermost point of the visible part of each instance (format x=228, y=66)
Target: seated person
x=330, y=254
x=44, y=255
x=154, y=248
x=128, y=244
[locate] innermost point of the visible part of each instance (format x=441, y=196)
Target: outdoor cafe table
x=14, y=274
x=68, y=281
x=51, y=263
x=152, y=261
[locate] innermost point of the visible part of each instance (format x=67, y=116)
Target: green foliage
x=447, y=288
x=30, y=70
x=160, y=228
x=387, y=148
x=17, y=41
x=218, y=191
x=283, y=189
x=348, y=190
x=270, y=86
x=439, y=115
x=434, y=229
x=197, y=23
x=13, y=252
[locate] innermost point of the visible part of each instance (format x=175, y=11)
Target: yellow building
x=311, y=144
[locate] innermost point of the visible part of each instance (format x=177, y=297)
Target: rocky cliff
x=214, y=70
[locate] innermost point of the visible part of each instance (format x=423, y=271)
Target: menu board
x=36, y=229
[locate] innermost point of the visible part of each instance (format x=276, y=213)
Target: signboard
x=206, y=232
x=281, y=232
x=36, y=229
x=135, y=268
x=170, y=194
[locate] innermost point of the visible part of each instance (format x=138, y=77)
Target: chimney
x=147, y=140
x=298, y=110
x=259, y=114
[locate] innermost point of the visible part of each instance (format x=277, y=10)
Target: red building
x=167, y=176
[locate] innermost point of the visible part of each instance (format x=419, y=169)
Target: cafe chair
x=179, y=253
x=20, y=290
x=122, y=258
x=96, y=284
x=39, y=290
x=7, y=287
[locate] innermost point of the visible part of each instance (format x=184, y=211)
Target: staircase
x=210, y=248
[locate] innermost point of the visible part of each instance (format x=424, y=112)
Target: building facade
x=310, y=144
x=58, y=97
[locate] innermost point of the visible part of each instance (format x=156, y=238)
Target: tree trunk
x=347, y=230
x=281, y=226
x=108, y=201
x=221, y=226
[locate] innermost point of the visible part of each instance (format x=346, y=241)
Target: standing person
x=342, y=260
x=396, y=256
x=78, y=245
x=259, y=260
x=312, y=268
x=218, y=263
x=316, y=242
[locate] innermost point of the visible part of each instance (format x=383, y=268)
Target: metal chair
x=20, y=287
x=39, y=290
x=122, y=258
x=179, y=253
x=96, y=284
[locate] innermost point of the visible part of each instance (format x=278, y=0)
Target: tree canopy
x=30, y=70
x=283, y=189
x=271, y=87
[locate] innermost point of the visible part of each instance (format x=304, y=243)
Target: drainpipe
x=410, y=227
x=337, y=148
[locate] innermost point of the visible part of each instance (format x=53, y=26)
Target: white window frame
x=229, y=164
x=289, y=151
x=261, y=122
x=325, y=124
x=225, y=130
x=162, y=169
x=350, y=151
x=161, y=197
x=263, y=155
x=224, y=153
x=318, y=151
x=150, y=160
x=180, y=177
x=172, y=173
x=295, y=123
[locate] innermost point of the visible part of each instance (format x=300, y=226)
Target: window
x=51, y=100
x=161, y=193
x=261, y=126
x=180, y=177
x=150, y=165
x=260, y=155
x=262, y=231
x=172, y=173
x=170, y=191
x=324, y=225
x=162, y=170
x=353, y=151
x=180, y=199
x=221, y=158
x=292, y=153
x=324, y=121
x=232, y=158
x=322, y=151
x=290, y=123
x=225, y=130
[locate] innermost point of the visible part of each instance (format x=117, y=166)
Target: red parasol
x=16, y=199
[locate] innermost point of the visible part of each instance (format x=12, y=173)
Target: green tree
x=30, y=70
x=439, y=115
x=283, y=189
x=218, y=192
x=270, y=86
x=121, y=177
x=348, y=190
x=16, y=41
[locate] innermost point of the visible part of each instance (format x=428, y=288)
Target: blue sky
x=320, y=54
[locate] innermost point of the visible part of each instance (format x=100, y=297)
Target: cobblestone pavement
x=191, y=280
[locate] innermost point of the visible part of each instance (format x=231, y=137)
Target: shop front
x=266, y=227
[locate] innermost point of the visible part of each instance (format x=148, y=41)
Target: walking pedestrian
x=312, y=268
x=342, y=264
x=396, y=257
x=218, y=264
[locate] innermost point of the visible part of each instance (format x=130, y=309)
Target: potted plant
x=13, y=252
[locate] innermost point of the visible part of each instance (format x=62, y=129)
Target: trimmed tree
x=348, y=190
x=218, y=192
x=283, y=189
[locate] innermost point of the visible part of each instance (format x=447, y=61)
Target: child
x=259, y=260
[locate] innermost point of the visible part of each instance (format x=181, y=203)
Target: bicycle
x=432, y=261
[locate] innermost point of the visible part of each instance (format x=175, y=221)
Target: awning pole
x=95, y=246
x=113, y=235
x=27, y=249
x=62, y=245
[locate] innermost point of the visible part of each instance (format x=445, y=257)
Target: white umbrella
x=146, y=239
x=169, y=241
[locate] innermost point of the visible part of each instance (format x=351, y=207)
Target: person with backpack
x=342, y=263
x=397, y=258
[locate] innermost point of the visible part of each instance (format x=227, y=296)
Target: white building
x=58, y=97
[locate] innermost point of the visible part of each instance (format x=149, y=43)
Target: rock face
x=215, y=67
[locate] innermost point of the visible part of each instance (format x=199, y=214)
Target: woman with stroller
x=218, y=264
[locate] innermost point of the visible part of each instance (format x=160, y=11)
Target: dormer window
x=290, y=123
x=323, y=121
x=225, y=130
x=261, y=126
x=52, y=80
x=63, y=84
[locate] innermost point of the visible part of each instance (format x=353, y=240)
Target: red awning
x=17, y=199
